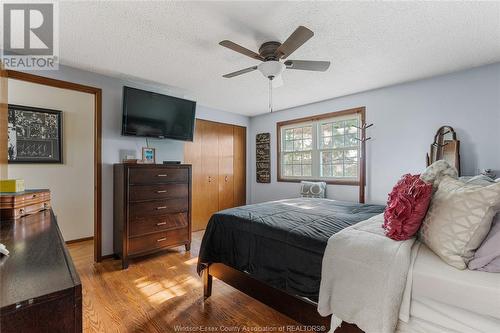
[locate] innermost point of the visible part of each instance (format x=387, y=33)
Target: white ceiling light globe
x=271, y=69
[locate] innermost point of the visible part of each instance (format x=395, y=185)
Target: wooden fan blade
x=240, y=49
x=307, y=65
x=242, y=71
x=296, y=40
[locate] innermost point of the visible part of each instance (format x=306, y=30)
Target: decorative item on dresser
x=19, y=204
x=40, y=290
x=152, y=208
x=148, y=155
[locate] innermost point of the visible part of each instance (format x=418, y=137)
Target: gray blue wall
x=405, y=117
x=113, y=142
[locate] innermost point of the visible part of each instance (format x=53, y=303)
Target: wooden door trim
x=97, y=92
x=4, y=93
x=220, y=122
x=244, y=158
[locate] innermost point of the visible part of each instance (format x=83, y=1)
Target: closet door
x=226, y=187
x=210, y=171
x=239, y=165
x=203, y=154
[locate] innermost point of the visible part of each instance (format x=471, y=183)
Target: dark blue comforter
x=280, y=242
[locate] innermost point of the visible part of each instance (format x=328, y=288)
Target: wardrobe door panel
x=226, y=188
x=210, y=170
x=218, y=157
x=239, y=165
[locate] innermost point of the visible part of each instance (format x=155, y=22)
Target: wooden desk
x=40, y=290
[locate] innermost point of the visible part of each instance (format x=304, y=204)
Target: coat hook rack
x=362, y=176
x=363, y=128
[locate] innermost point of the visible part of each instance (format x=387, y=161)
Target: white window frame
x=316, y=123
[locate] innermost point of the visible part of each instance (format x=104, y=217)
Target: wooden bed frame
x=300, y=309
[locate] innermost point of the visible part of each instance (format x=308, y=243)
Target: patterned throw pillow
x=459, y=219
x=437, y=171
x=312, y=189
x=406, y=207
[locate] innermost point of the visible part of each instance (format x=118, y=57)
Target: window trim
x=360, y=111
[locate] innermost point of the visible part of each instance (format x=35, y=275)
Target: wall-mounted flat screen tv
x=149, y=114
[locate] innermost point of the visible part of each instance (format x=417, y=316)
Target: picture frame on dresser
x=148, y=155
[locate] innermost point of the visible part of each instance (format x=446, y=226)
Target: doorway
x=97, y=128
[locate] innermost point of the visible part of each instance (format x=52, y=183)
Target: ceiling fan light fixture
x=271, y=69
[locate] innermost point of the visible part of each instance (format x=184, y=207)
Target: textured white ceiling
x=370, y=45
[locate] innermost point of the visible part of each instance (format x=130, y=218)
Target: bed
x=445, y=299
x=273, y=251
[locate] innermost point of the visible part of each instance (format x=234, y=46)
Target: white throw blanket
x=363, y=277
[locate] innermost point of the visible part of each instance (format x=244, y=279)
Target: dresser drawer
x=138, y=210
x=158, y=240
x=158, y=175
x=153, y=192
x=142, y=226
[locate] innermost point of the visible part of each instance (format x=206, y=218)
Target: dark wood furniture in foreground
x=40, y=290
x=152, y=208
x=300, y=309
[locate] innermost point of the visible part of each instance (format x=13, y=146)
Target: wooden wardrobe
x=218, y=157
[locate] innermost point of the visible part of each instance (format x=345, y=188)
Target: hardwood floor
x=163, y=293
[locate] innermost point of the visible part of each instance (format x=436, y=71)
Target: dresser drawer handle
x=161, y=223
x=161, y=239
x=161, y=207
x=162, y=175
x=161, y=191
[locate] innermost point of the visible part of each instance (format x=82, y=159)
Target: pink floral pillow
x=406, y=207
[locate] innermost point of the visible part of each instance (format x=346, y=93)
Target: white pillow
x=312, y=189
x=458, y=219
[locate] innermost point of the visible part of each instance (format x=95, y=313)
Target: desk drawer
x=158, y=175
x=154, y=192
x=143, y=226
x=140, y=210
x=157, y=240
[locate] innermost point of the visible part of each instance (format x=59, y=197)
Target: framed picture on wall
x=34, y=135
x=148, y=155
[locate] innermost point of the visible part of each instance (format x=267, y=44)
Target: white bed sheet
x=475, y=291
x=445, y=299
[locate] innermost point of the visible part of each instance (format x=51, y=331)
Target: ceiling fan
x=270, y=53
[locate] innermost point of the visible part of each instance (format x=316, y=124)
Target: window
x=321, y=148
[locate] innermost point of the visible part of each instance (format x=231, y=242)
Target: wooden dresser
x=152, y=208
x=40, y=290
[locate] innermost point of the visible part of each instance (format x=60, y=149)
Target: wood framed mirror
x=445, y=147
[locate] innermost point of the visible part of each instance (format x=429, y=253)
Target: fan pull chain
x=270, y=94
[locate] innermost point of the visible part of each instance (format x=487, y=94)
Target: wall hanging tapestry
x=263, y=157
